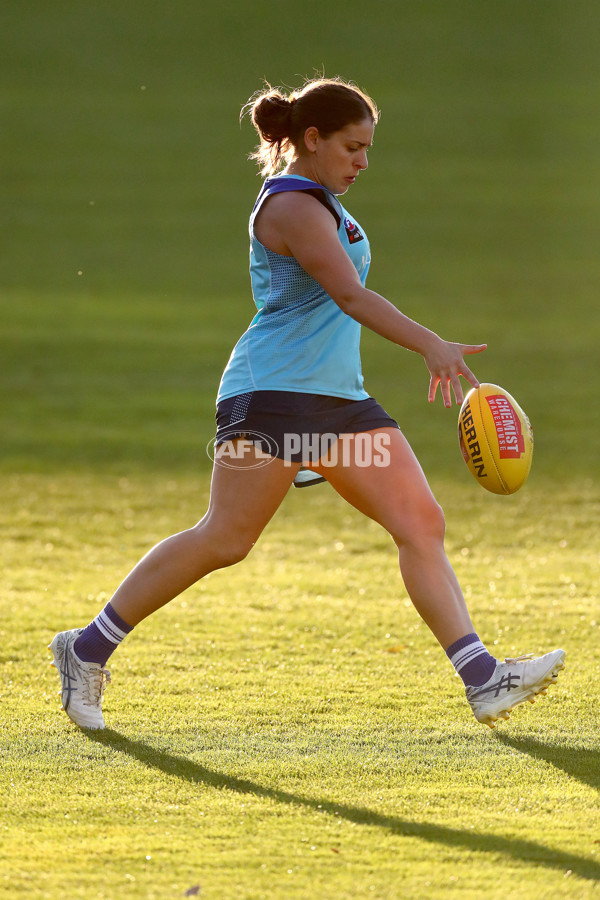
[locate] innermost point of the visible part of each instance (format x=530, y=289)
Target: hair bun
x=271, y=113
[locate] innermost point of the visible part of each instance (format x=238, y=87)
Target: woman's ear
x=311, y=138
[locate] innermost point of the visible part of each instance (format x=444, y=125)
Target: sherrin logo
x=469, y=444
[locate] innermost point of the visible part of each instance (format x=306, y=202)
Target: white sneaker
x=513, y=682
x=82, y=683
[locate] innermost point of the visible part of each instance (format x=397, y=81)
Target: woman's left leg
x=398, y=497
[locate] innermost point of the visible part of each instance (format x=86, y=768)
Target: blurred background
x=125, y=192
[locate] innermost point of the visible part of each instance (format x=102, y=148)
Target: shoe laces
x=95, y=684
x=515, y=659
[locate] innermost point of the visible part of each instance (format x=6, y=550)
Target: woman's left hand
x=445, y=361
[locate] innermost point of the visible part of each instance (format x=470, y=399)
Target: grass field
x=288, y=728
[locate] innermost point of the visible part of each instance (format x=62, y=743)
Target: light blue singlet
x=299, y=340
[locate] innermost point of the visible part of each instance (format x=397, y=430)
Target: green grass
x=288, y=728
x=290, y=725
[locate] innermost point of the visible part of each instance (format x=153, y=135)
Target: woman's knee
x=421, y=524
x=226, y=547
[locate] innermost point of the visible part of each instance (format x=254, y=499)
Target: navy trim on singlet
x=286, y=183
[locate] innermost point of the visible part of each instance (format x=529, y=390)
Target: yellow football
x=496, y=439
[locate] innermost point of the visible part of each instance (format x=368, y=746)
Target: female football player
x=292, y=397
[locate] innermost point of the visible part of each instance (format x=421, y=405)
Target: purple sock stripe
x=461, y=642
x=106, y=627
x=460, y=660
x=116, y=619
x=471, y=660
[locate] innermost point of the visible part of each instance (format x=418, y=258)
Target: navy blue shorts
x=293, y=426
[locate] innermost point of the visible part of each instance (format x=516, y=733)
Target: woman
x=292, y=395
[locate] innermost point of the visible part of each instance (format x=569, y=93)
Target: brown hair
x=328, y=104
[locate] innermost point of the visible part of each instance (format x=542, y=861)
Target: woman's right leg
x=244, y=497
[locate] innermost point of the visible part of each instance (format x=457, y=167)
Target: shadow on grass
x=194, y=773
x=581, y=764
